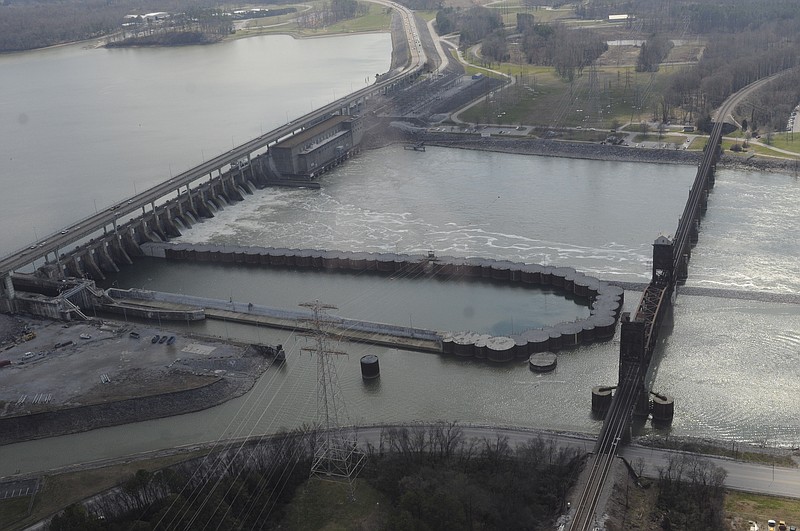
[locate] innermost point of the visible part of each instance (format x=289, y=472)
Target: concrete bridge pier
x=130, y=245
x=91, y=265
x=704, y=201
x=8, y=287
x=230, y=190
x=151, y=230
x=203, y=207
x=73, y=268
x=683, y=268
x=104, y=259
x=117, y=250
x=694, y=231
x=168, y=226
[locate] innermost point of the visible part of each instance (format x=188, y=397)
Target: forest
x=30, y=24
x=433, y=476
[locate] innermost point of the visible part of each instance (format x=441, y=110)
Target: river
x=730, y=363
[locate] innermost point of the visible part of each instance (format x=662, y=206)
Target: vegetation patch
x=62, y=490
x=325, y=505
x=741, y=507
x=13, y=510
x=425, y=477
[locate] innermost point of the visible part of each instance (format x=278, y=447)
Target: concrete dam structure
x=605, y=300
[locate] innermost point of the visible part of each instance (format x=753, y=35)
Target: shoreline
x=595, y=151
x=140, y=388
x=67, y=421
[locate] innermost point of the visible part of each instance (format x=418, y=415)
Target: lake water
x=82, y=128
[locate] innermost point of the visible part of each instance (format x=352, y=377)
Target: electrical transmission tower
x=337, y=456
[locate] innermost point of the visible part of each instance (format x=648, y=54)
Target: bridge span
x=639, y=333
x=197, y=183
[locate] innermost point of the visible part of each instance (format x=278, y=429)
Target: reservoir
x=731, y=363
x=82, y=128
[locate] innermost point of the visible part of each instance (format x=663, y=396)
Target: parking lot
x=81, y=363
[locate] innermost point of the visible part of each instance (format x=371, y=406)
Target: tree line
x=433, y=476
x=565, y=49
x=30, y=24
x=769, y=108
x=691, y=494
x=732, y=61
x=331, y=13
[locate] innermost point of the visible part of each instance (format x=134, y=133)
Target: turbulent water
x=595, y=216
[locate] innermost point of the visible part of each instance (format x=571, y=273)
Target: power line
x=337, y=456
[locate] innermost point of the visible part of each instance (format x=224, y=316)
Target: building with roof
x=316, y=149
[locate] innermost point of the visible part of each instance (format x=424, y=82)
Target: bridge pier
x=694, y=231
x=130, y=245
x=683, y=268
x=642, y=406
x=168, y=226
x=73, y=268
x=104, y=258
x=91, y=265
x=229, y=189
x=8, y=287
x=151, y=233
x=117, y=250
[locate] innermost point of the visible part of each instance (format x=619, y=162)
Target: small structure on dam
x=370, y=368
x=542, y=362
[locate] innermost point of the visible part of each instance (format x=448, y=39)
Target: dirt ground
x=104, y=363
x=11, y=328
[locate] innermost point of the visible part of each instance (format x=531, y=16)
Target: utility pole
x=337, y=456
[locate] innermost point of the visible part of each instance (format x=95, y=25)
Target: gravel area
x=11, y=329
x=67, y=368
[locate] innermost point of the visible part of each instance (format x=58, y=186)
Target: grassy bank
x=60, y=490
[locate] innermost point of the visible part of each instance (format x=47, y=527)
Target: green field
x=324, y=505
x=59, y=491
x=378, y=18
x=609, y=97
x=741, y=506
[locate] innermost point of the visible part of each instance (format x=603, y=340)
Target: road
x=748, y=477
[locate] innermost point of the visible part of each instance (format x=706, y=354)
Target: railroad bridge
x=639, y=334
